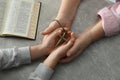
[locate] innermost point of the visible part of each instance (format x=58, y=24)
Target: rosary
x=62, y=37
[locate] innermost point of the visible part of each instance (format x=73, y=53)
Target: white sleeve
x=14, y=57
x=42, y=72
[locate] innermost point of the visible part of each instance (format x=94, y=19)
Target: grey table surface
x=100, y=61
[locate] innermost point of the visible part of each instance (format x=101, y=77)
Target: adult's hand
x=55, y=25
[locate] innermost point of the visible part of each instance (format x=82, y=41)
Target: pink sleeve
x=111, y=19
x=117, y=0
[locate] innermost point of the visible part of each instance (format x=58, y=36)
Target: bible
x=19, y=18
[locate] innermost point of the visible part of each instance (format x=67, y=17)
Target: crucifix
x=62, y=37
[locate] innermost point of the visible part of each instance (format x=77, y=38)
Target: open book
x=19, y=18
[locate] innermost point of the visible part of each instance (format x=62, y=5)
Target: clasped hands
x=57, y=41
x=61, y=45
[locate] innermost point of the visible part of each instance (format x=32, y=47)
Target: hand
x=54, y=25
x=48, y=44
x=82, y=41
x=50, y=40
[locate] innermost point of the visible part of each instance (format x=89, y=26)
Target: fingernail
x=59, y=31
x=72, y=33
x=41, y=32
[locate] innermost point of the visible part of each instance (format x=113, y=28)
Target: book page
x=33, y=24
x=3, y=6
x=18, y=17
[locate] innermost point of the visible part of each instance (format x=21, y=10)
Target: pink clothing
x=111, y=19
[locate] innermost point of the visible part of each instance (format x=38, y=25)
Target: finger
x=45, y=37
x=72, y=39
x=66, y=46
x=50, y=29
x=75, y=47
x=67, y=28
x=56, y=33
x=73, y=50
x=68, y=59
x=69, y=44
x=72, y=36
x=69, y=32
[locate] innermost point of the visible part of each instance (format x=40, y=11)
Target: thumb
x=50, y=29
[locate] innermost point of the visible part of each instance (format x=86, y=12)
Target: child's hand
x=48, y=44
x=82, y=41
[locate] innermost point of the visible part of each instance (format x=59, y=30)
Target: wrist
x=97, y=31
x=66, y=22
x=51, y=61
x=43, y=50
x=83, y=40
x=37, y=52
x=89, y=35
